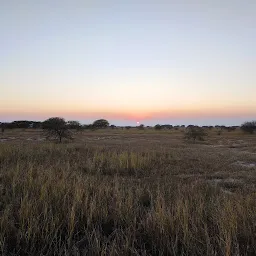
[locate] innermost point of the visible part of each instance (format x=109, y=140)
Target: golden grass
x=128, y=193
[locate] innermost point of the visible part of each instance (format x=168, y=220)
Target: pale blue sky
x=152, y=61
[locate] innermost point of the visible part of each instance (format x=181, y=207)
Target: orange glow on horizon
x=132, y=115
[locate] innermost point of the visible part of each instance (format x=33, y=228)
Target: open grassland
x=127, y=192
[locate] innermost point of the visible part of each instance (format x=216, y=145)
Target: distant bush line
x=247, y=127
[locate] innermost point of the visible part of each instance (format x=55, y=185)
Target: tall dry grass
x=95, y=200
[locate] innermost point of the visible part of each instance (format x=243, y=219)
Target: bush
x=74, y=125
x=141, y=127
x=167, y=126
x=2, y=125
x=195, y=133
x=249, y=127
x=158, y=127
x=231, y=128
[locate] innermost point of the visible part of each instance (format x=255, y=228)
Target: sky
x=176, y=61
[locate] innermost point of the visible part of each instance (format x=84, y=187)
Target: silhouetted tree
x=37, y=125
x=74, y=125
x=57, y=128
x=167, y=126
x=112, y=126
x=2, y=125
x=231, y=128
x=88, y=127
x=141, y=127
x=24, y=124
x=101, y=123
x=192, y=126
x=158, y=127
x=9, y=126
x=249, y=127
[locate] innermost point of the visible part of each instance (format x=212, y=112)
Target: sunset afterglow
x=166, y=62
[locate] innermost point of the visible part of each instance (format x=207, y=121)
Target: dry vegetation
x=119, y=192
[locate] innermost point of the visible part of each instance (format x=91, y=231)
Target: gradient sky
x=178, y=62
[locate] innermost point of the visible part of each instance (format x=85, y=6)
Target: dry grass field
x=127, y=192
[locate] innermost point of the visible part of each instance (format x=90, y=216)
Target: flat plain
x=127, y=192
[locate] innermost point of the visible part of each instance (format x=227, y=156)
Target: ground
x=127, y=192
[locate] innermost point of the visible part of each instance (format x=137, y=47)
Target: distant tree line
x=21, y=124
x=25, y=124
x=247, y=127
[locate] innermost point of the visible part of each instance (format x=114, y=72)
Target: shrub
x=195, y=133
x=158, y=127
x=141, y=127
x=249, y=127
x=74, y=125
x=167, y=126
x=2, y=125
x=231, y=128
